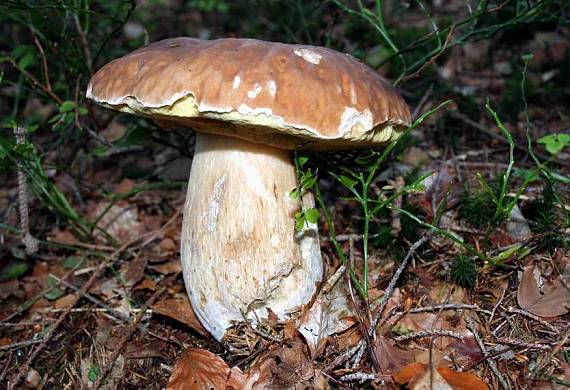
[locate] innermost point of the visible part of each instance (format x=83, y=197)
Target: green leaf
x=554, y=143
x=312, y=215
x=308, y=180
x=347, y=181
x=299, y=221
x=99, y=151
x=26, y=60
x=13, y=270
x=72, y=262
x=20, y=51
x=94, y=372
x=302, y=160
x=54, y=293
x=82, y=111
x=66, y=106
x=294, y=194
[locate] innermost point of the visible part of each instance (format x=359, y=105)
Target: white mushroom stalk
x=240, y=253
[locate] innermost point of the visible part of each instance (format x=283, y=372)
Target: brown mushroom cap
x=288, y=96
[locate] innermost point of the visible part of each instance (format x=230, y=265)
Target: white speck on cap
x=353, y=120
x=236, y=83
x=272, y=87
x=252, y=93
x=308, y=55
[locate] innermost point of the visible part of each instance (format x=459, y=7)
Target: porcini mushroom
x=250, y=102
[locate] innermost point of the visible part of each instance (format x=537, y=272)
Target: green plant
x=464, y=271
x=358, y=181
x=483, y=21
x=555, y=143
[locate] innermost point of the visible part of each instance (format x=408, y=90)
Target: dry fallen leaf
x=549, y=299
x=390, y=357
x=169, y=267
x=330, y=313
x=134, y=271
x=418, y=376
x=120, y=220
x=198, y=369
x=180, y=310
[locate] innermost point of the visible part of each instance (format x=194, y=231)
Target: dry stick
x=150, y=236
x=20, y=344
x=112, y=312
x=344, y=357
x=361, y=320
x=429, y=333
x=490, y=361
x=523, y=344
x=433, y=58
x=84, y=44
x=35, y=81
x=551, y=354
x=390, y=289
x=360, y=354
x=525, y=313
x=423, y=101
x=448, y=306
x=29, y=241
x=359, y=377
x=129, y=334
x=44, y=61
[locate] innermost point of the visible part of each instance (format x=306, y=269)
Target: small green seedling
x=555, y=143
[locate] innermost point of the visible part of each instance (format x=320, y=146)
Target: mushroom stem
x=240, y=252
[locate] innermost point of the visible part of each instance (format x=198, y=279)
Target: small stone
x=32, y=380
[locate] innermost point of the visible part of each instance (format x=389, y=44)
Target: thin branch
x=44, y=62
x=127, y=336
x=390, y=289
x=35, y=81
x=429, y=333
x=490, y=361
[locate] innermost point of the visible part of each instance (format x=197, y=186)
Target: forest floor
x=483, y=299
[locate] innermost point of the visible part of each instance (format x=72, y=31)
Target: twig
x=490, y=361
x=433, y=58
x=390, y=289
x=429, y=333
x=551, y=354
x=20, y=344
x=129, y=334
x=361, y=321
x=84, y=44
x=35, y=81
x=423, y=101
x=334, y=380
x=361, y=377
x=29, y=241
x=449, y=306
x=525, y=313
x=523, y=344
x=345, y=356
x=359, y=354
x=497, y=305
x=44, y=62
x=91, y=298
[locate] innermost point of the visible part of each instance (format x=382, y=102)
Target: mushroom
x=251, y=102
